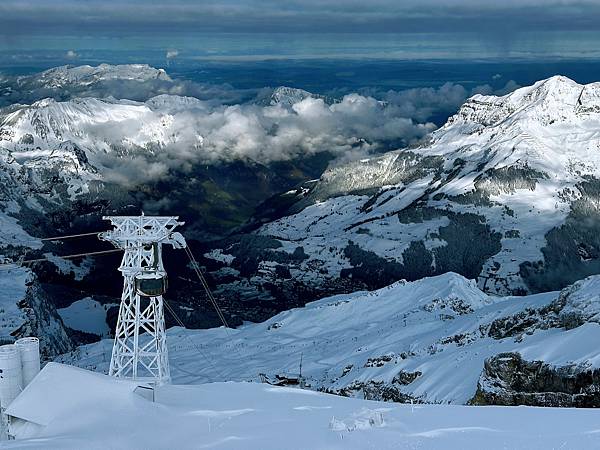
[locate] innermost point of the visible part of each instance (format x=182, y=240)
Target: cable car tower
x=145, y=281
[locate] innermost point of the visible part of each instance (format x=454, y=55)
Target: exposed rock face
x=509, y=380
x=377, y=391
x=44, y=322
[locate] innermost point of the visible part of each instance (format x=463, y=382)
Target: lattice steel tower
x=140, y=348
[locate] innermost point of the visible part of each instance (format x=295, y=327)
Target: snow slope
x=86, y=315
x=426, y=340
x=87, y=410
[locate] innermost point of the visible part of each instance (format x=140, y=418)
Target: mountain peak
x=288, y=96
x=86, y=75
x=553, y=100
x=558, y=88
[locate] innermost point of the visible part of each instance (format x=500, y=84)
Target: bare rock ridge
x=509, y=380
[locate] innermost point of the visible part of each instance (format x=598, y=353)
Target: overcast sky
x=108, y=17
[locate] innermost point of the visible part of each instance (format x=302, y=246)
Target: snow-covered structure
x=141, y=310
x=19, y=365
x=57, y=394
x=11, y=374
x=29, y=352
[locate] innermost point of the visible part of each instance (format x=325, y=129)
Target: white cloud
x=159, y=139
x=71, y=54
x=356, y=126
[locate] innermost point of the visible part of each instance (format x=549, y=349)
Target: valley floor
x=81, y=409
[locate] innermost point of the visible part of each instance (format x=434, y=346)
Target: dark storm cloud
x=110, y=17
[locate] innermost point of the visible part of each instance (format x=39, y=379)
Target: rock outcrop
x=509, y=380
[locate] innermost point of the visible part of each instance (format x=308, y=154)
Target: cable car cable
x=209, y=294
x=198, y=349
x=74, y=256
x=70, y=236
x=212, y=299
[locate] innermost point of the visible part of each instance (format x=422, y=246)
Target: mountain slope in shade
x=506, y=192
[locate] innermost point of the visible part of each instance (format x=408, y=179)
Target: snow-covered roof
x=59, y=391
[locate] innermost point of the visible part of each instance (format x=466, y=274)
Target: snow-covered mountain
x=133, y=81
x=506, y=192
x=288, y=96
x=60, y=77
x=68, y=159
x=97, y=125
x=436, y=340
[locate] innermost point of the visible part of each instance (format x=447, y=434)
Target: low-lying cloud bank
x=169, y=134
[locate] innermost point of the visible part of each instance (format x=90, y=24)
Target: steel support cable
x=70, y=236
x=74, y=256
x=204, y=283
x=212, y=299
x=209, y=294
x=62, y=238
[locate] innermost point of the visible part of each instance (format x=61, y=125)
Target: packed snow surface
x=73, y=408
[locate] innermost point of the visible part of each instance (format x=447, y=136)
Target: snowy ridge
x=63, y=76
x=425, y=340
x=49, y=123
x=288, y=96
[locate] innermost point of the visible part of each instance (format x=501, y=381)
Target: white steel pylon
x=140, y=347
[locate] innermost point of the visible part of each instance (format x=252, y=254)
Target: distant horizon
x=241, y=47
